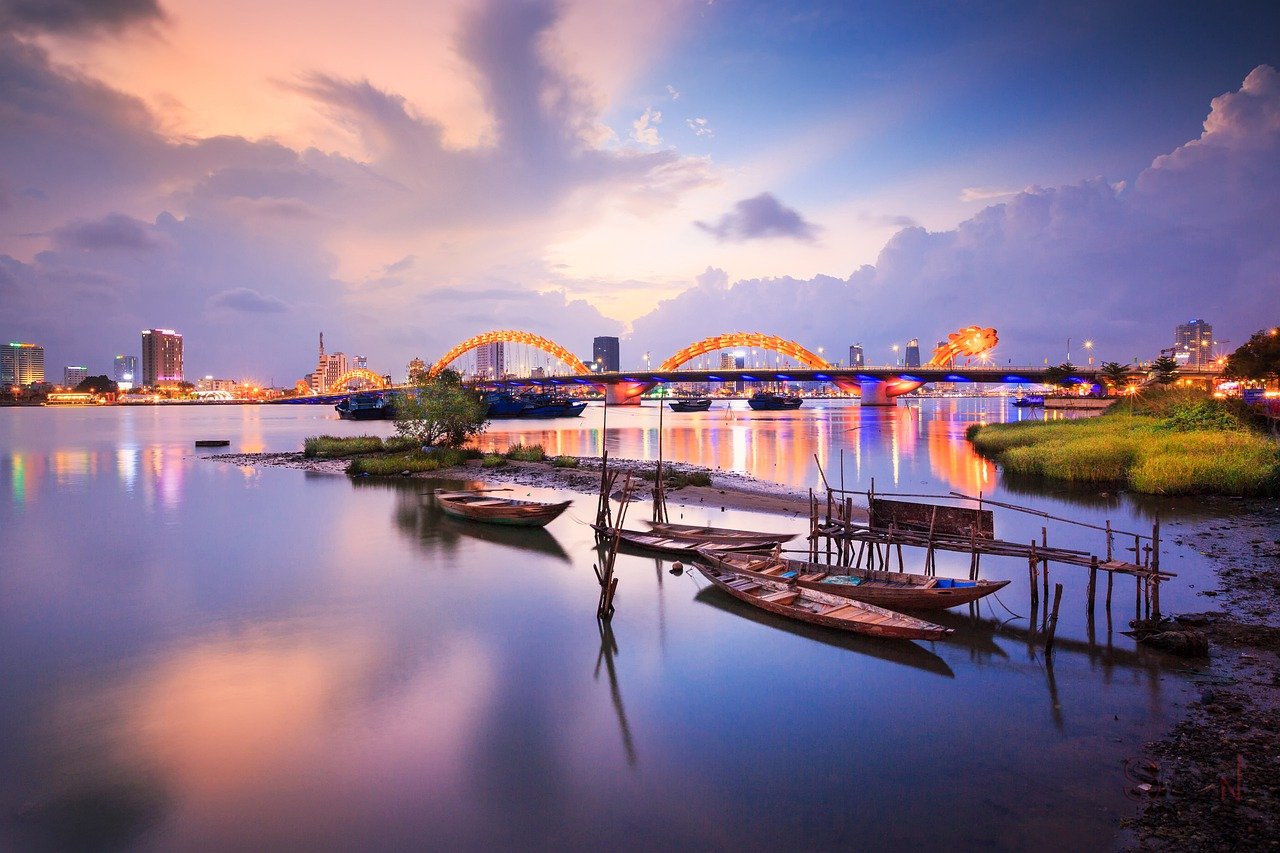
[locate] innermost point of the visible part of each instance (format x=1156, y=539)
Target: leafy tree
x=1258, y=358
x=441, y=411
x=1165, y=370
x=98, y=385
x=1116, y=375
x=1060, y=374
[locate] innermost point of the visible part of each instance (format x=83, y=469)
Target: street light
x=895, y=355
x=1088, y=347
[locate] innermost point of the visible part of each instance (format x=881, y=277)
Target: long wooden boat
x=719, y=535
x=474, y=506
x=818, y=608
x=664, y=544
x=895, y=590
x=701, y=404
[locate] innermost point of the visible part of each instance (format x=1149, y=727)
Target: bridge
x=877, y=386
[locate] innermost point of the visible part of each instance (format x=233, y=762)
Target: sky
x=403, y=174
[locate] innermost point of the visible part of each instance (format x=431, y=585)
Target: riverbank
x=729, y=490
x=1214, y=780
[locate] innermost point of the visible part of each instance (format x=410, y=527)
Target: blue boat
x=503, y=404
x=551, y=406
x=1029, y=400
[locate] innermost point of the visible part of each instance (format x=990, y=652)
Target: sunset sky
x=402, y=174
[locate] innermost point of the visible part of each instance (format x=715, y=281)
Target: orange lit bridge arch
x=366, y=378
x=509, y=336
x=755, y=340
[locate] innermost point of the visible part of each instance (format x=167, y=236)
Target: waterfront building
x=1193, y=344
x=856, y=358
x=604, y=354
x=491, y=360
x=125, y=371
x=161, y=357
x=21, y=364
x=329, y=368
x=73, y=375
x=209, y=383
x=360, y=362
x=913, y=352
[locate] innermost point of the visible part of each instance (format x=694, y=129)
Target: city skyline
x=658, y=172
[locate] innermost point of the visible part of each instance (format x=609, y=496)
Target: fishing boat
x=475, y=506
x=896, y=590
x=818, y=608
x=551, y=406
x=688, y=548
x=365, y=407
x=699, y=405
x=718, y=535
x=1028, y=400
x=502, y=404
x=767, y=401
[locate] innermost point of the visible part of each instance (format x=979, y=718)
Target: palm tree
x=1060, y=374
x=1165, y=370
x=1116, y=375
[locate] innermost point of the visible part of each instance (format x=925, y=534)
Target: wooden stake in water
x=1053, y=619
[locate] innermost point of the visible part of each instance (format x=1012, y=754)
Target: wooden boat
x=767, y=401
x=719, y=535
x=701, y=404
x=664, y=544
x=475, y=506
x=818, y=608
x=896, y=590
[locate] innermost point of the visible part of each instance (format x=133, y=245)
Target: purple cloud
x=112, y=232
x=760, y=217
x=77, y=16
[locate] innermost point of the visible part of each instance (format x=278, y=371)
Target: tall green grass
x=526, y=453
x=332, y=446
x=1177, y=443
x=415, y=461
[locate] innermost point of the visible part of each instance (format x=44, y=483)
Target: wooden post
x=1093, y=584
x=1111, y=576
x=1035, y=587
x=1053, y=619
x=1109, y=555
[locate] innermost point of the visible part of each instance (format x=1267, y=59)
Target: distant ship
x=1029, y=400
x=767, y=401
x=365, y=407
x=699, y=405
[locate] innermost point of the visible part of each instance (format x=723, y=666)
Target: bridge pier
x=625, y=393
x=871, y=392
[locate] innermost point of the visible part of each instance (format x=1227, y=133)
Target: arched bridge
x=875, y=385
x=358, y=376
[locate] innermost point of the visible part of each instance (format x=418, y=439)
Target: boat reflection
x=903, y=652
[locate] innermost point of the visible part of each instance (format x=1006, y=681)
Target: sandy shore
x=1214, y=780
x=728, y=490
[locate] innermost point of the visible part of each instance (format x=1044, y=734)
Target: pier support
x=625, y=393
x=876, y=394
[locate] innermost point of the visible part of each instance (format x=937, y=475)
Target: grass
x=414, y=461
x=332, y=446
x=1174, y=442
x=492, y=460
x=565, y=461
x=677, y=479
x=526, y=453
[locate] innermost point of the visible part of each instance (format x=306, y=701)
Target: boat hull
x=774, y=404
x=841, y=614
x=503, y=512
x=690, y=405
x=894, y=590
x=678, y=547
x=719, y=535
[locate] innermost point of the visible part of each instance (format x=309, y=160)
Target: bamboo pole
x=1053, y=619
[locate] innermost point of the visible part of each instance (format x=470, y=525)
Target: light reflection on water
x=200, y=655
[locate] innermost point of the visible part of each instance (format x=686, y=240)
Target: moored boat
x=664, y=544
x=365, y=407
x=896, y=590
x=503, y=404
x=551, y=406
x=718, y=535
x=1028, y=400
x=476, y=506
x=806, y=605
x=701, y=404
x=767, y=401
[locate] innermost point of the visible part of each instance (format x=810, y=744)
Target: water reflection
x=608, y=650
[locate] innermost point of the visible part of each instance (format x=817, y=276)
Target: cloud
x=248, y=301
x=1196, y=234
x=762, y=216
x=985, y=193
x=644, y=129
x=112, y=232
x=672, y=93
x=890, y=220
x=77, y=16
x=700, y=126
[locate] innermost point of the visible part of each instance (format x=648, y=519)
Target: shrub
x=565, y=462
x=330, y=446
x=526, y=453
x=492, y=460
x=680, y=479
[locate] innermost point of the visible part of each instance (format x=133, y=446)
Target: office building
x=125, y=371
x=856, y=358
x=1193, y=344
x=161, y=357
x=73, y=375
x=604, y=354
x=913, y=352
x=491, y=360
x=360, y=362
x=329, y=368
x=21, y=364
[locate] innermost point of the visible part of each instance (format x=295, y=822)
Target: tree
x=1165, y=370
x=441, y=411
x=1116, y=375
x=1060, y=374
x=1258, y=358
x=98, y=385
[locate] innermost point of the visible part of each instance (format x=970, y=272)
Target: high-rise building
x=1193, y=343
x=329, y=368
x=491, y=360
x=161, y=357
x=360, y=362
x=913, y=352
x=73, y=375
x=604, y=354
x=856, y=359
x=21, y=364
x=125, y=371
x=416, y=371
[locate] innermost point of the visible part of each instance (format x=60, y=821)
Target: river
x=199, y=655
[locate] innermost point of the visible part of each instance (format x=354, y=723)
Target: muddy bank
x=728, y=490
x=1213, y=783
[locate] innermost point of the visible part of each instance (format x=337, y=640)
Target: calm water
x=203, y=656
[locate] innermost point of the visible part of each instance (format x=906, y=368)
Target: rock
x=1187, y=642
